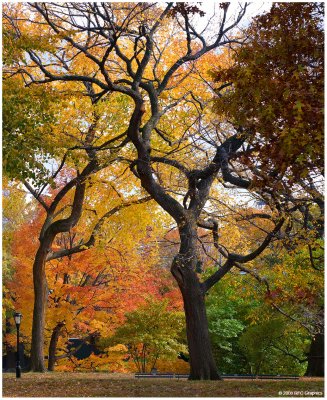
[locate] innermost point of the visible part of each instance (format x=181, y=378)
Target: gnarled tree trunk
x=201, y=358
x=203, y=366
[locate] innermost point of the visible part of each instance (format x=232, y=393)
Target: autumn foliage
x=275, y=87
x=163, y=187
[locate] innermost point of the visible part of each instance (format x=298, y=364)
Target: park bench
x=236, y=376
x=224, y=376
x=283, y=377
x=246, y=376
x=160, y=375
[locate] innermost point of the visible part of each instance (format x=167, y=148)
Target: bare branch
x=36, y=195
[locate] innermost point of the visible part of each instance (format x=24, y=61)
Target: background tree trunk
x=316, y=356
x=53, y=345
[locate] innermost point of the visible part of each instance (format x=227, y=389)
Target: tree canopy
x=274, y=88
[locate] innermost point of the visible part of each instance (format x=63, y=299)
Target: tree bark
x=202, y=364
x=53, y=345
x=40, y=302
x=316, y=356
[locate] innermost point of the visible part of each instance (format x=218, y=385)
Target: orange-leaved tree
x=89, y=291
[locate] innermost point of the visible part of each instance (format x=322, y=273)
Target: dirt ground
x=124, y=385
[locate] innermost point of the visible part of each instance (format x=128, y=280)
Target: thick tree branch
x=66, y=224
x=251, y=256
x=217, y=276
x=172, y=163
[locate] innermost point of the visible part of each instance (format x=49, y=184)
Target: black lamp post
x=18, y=320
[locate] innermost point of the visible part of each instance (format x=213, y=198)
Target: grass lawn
x=56, y=384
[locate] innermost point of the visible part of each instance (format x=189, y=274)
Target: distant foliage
x=264, y=344
x=150, y=333
x=248, y=335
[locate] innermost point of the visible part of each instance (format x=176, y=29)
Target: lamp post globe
x=18, y=320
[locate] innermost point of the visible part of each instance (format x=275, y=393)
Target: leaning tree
x=49, y=149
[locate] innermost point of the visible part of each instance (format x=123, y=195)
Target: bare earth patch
x=125, y=385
